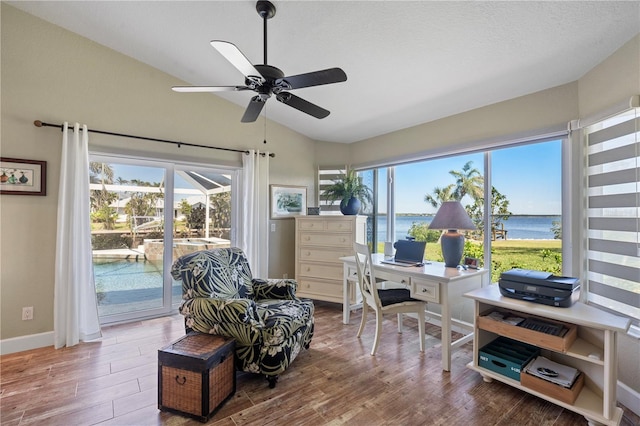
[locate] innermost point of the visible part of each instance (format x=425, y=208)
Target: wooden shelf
x=584, y=405
x=596, y=401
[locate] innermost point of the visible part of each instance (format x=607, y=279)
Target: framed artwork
x=288, y=201
x=23, y=177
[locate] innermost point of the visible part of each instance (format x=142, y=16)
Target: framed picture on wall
x=23, y=177
x=288, y=201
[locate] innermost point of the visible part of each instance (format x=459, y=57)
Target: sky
x=529, y=176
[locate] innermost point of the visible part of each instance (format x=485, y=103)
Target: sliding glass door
x=144, y=215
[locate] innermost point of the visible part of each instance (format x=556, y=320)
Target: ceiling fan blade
x=302, y=105
x=316, y=78
x=189, y=89
x=237, y=59
x=253, y=110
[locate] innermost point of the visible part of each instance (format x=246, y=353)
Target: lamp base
x=452, y=244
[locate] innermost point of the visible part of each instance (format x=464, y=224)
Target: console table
x=593, y=351
x=433, y=283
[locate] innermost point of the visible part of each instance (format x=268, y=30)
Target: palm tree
x=100, y=173
x=221, y=204
x=469, y=181
x=101, y=198
x=440, y=195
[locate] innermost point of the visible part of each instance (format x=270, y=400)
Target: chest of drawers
x=320, y=243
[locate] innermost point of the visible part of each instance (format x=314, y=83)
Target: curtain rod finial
x=37, y=123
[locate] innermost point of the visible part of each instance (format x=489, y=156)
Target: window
x=612, y=149
x=526, y=206
x=525, y=227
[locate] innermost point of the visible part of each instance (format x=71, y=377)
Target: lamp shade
x=452, y=216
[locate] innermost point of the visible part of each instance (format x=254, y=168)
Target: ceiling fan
x=267, y=80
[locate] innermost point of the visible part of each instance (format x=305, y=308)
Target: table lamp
x=452, y=216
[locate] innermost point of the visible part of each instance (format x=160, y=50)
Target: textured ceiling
x=407, y=62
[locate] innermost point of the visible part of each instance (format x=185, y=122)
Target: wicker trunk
x=196, y=375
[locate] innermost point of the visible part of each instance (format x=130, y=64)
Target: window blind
x=326, y=176
x=613, y=213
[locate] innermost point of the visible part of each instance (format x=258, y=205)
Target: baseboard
x=628, y=397
x=25, y=343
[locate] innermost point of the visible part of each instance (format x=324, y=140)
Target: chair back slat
x=366, y=275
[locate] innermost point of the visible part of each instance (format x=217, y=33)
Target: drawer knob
x=424, y=290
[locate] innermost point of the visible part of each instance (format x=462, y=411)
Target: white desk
x=432, y=283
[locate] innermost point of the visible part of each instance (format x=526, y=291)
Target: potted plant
x=351, y=191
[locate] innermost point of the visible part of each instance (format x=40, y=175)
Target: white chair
x=384, y=301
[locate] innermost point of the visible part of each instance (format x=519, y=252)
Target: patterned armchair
x=269, y=323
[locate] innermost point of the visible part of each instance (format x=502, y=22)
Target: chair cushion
x=395, y=295
x=222, y=273
x=274, y=288
x=283, y=318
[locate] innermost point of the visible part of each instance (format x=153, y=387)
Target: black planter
x=351, y=208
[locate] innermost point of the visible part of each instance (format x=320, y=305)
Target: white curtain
x=75, y=315
x=254, y=235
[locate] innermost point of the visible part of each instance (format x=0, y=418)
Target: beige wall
x=53, y=75
x=537, y=112
x=614, y=80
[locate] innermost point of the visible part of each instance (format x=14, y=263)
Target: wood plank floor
x=114, y=382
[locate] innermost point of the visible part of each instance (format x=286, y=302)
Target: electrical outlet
x=27, y=313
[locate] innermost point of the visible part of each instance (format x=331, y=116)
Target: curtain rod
x=39, y=123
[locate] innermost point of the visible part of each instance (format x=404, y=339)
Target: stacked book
x=561, y=375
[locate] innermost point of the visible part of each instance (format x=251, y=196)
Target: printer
x=539, y=287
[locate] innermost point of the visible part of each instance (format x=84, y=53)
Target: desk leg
x=446, y=328
x=346, y=290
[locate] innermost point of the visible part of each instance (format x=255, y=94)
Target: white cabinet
x=593, y=351
x=320, y=243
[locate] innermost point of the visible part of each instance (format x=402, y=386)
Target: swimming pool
x=129, y=280
x=127, y=285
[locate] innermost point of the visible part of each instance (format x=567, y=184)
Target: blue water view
x=127, y=285
x=518, y=227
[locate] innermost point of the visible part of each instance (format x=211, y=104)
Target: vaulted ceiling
x=407, y=62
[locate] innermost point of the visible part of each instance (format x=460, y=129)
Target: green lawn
x=541, y=255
